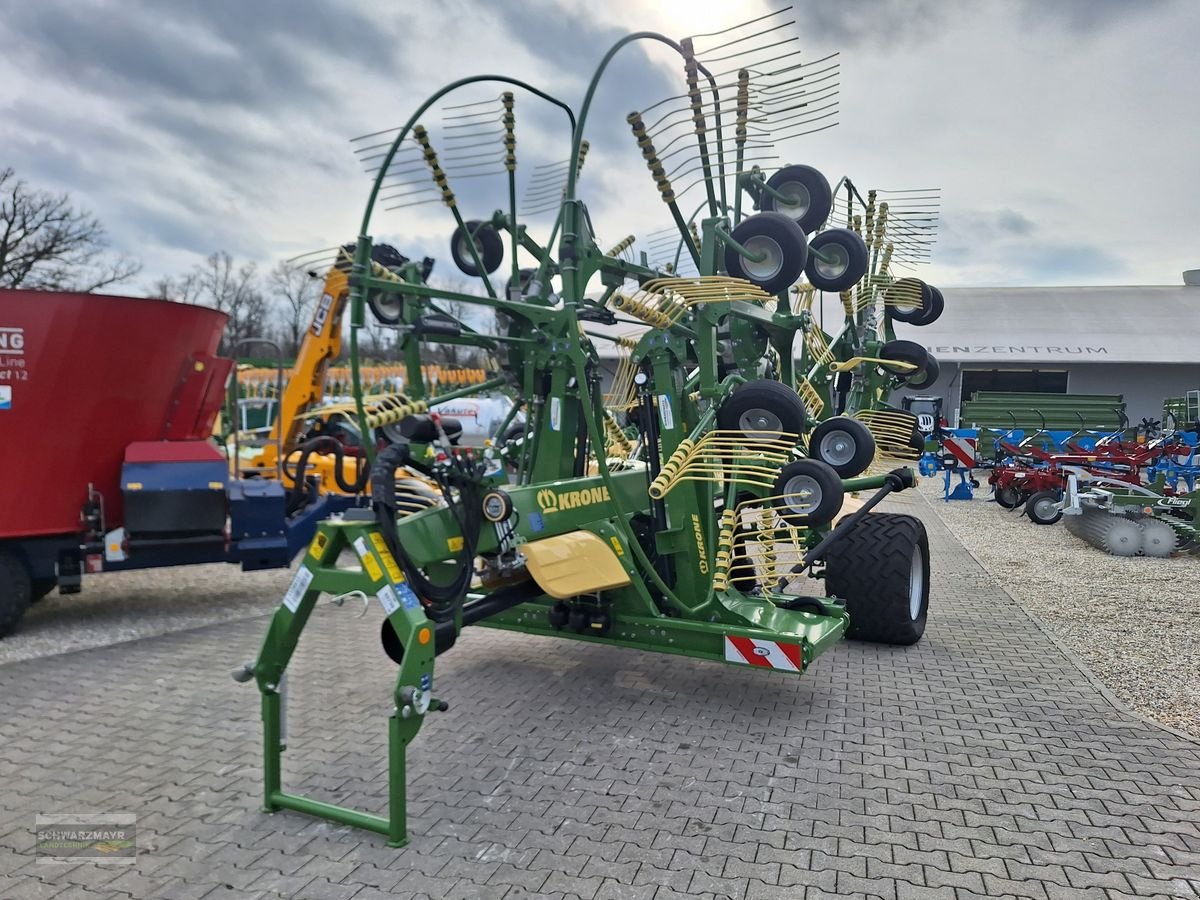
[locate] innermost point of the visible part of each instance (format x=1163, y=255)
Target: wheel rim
x=837, y=448
x=464, y=248
x=771, y=263
x=835, y=261
x=1045, y=508
x=796, y=199
x=387, y=306
x=760, y=424
x=802, y=494
x=916, y=585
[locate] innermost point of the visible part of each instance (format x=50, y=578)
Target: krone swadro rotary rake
x=684, y=509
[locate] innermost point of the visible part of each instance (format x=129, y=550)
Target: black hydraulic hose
x=443, y=599
x=664, y=564
x=300, y=492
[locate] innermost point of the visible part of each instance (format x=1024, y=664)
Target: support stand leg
x=397, y=785
x=271, y=751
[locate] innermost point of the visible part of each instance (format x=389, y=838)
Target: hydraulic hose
x=442, y=600
x=301, y=492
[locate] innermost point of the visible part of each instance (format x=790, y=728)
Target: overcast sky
x=1064, y=134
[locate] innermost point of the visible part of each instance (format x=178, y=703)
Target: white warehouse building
x=1141, y=342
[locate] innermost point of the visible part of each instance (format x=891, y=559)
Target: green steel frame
x=550, y=367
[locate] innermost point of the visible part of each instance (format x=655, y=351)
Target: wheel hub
x=837, y=448
x=795, y=200
x=760, y=424
x=833, y=261
x=803, y=494
x=769, y=262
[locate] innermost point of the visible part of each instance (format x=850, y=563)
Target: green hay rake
x=685, y=509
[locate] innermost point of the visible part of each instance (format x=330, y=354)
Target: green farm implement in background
x=688, y=508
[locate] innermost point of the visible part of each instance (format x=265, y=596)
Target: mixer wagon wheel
x=837, y=260
x=845, y=444
x=16, y=591
x=488, y=245
x=881, y=569
x=807, y=198
x=778, y=251
x=762, y=410
x=1043, y=507
x=808, y=493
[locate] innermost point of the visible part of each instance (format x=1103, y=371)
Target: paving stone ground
x=980, y=763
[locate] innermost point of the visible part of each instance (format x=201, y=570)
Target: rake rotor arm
x=895, y=480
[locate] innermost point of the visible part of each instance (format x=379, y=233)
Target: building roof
x=1061, y=324
x=1155, y=324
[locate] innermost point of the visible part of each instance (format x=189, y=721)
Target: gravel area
x=1135, y=621
x=126, y=606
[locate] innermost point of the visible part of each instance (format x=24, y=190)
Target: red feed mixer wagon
x=107, y=407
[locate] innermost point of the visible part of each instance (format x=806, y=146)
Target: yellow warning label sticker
x=369, y=563
x=317, y=547
x=454, y=544
x=389, y=561
x=617, y=546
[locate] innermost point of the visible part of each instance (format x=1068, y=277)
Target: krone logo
x=699, y=531
x=554, y=501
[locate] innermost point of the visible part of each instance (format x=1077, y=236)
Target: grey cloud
x=1041, y=262
x=1086, y=16
x=977, y=226
x=242, y=54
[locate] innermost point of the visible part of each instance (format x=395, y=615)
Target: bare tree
x=46, y=243
x=295, y=292
x=185, y=289
x=232, y=289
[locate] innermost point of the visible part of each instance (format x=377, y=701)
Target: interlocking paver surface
x=980, y=763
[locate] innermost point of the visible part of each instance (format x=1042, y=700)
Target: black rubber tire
x=771, y=398
x=1009, y=497
x=814, y=474
x=851, y=266
x=871, y=568
x=488, y=244
x=809, y=215
x=385, y=307
x=830, y=440
x=937, y=306
x=1039, y=498
x=782, y=238
x=909, y=352
x=387, y=256
x=16, y=591
x=926, y=376
x=911, y=315
x=40, y=588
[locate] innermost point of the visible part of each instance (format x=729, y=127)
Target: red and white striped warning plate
x=963, y=449
x=768, y=654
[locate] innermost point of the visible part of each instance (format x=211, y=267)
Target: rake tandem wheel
x=683, y=509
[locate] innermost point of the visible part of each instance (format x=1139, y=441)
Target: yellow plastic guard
x=568, y=565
